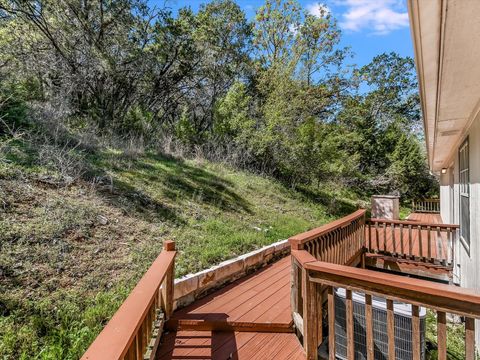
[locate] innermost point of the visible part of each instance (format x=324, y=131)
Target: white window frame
x=464, y=193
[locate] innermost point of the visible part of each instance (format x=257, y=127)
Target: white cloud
x=379, y=16
x=293, y=29
x=318, y=9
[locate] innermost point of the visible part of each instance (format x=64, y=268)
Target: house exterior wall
x=446, y=199
x=467, y=256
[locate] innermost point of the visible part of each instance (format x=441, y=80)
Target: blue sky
x=369, y=27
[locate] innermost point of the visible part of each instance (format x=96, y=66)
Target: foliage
x=274, y=92
x=385, y=122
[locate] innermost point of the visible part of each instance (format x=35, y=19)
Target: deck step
x=401, y=266
x=222, y=325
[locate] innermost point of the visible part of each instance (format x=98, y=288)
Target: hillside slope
x=71, y=252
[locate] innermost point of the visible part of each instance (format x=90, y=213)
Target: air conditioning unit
x=403, y=328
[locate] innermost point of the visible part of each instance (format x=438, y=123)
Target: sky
x=369, y=27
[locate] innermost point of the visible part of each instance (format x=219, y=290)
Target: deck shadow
x=212, y=345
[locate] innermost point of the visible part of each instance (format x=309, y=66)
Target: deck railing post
x=295, y=287
x=311, y=317
x=168, y=285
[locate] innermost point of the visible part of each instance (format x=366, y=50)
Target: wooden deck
x=248, y=319
x=425, y=218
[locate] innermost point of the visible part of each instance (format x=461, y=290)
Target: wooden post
x=294, y=286
x=350, y=326
x=390, y=330
x=167, y=289
x=442, y=335
x=369, y=326
x=310, y=317
x=416, y=332
x=469, y=338
x=331, y=323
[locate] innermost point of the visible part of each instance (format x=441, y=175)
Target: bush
x=12, y=109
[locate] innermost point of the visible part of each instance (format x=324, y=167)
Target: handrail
x=415, y=223
x=128, y=333
x=298, y=240
x=450, y=298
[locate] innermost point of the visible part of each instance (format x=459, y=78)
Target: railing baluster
x=402, y=247
x=394, y=243
x=429, y=241
x=323, y=246
x=376, y=237
x=331, y=323
x=416, y=350
x=340, y=237
x=450, y=246
x=390, y=330
x=328, y=248
x=469, y=339
x=138, y=345
x=368, y=228
x=410, y=241
x=384, y=237
x=439, y=243
x=420, y=241
x=442, y=335
x=319, y=322
x=350, y=334
x=337, y=248
x=369, y=326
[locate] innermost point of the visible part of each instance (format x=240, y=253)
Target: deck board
x=258, y=300
x=230, y=345
x=261, y=298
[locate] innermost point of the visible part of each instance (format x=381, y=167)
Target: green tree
x=386, y=121
x=222, y=38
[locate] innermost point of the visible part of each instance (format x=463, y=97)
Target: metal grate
x=403, y=328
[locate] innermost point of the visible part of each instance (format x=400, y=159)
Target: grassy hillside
x=71, y=250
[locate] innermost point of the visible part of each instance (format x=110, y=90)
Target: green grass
x=455, y=339
x=64, y=270
x=404, y=212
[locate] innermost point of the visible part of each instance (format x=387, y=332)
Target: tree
x=221, y=37
x=386, y=121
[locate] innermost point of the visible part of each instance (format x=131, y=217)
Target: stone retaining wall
x=195, y=286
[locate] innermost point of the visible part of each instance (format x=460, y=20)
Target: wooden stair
x=400, y=266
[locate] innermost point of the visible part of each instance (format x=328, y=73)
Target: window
x=464, y=193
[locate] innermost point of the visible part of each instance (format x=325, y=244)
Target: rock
x=102, y=220
x=254, y=258
x=185, y=286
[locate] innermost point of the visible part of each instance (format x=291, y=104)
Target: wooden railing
x=135, y=329
x=432, y=243
x=426, y=206
x=339, y=242
x=420, y=294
